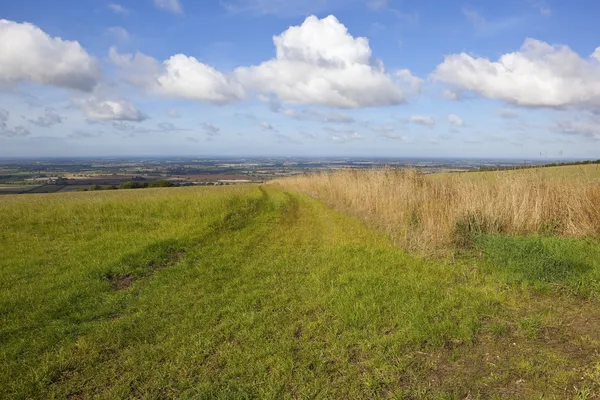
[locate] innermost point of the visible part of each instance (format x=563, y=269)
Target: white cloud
x=343, y=137
x=317, y=63
x=422, y=120
x=118, y=33
x=395, y=136
x=266, y=126
x=172, y=113
x=179, y=76
x=4, y=114
x=29, y=54
x=173, y=6
x=115, y=110
x=187, y=77
x=315, y=114
x=456, y=120
x=210, y=129
x=118, y=9
x=137, y=69
x=539, y=75
x=450, y=95
x=320, y=63
x=333, y=117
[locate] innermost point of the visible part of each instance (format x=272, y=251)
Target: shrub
x=160, y=183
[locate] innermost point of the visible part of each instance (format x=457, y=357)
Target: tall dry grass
x=430, y=213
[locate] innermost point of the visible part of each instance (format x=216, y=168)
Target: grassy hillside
x=263, y=292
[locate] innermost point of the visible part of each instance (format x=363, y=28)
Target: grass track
x=252, y=292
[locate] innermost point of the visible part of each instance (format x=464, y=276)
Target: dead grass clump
x=430, y=213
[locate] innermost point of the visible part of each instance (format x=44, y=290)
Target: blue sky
x=517, y=79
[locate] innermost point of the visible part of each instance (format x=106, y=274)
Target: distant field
x=14, y=189
x=264, y=292
x=589, y=172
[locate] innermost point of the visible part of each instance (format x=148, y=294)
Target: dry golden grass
x=428, y=214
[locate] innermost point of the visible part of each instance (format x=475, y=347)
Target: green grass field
x=256, y=292
x=589, y=172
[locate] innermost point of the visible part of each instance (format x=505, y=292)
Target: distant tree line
x=541, y=165
x=151, y=184
x=132, y=185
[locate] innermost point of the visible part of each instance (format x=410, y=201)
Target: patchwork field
x=267, y=292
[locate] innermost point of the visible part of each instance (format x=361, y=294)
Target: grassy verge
x=247, y=292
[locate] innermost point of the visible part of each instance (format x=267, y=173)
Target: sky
x=371, y=78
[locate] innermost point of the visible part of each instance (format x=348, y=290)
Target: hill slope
x=259, y=292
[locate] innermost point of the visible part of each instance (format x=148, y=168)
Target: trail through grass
x=251, y=292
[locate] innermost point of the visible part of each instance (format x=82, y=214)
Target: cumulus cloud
x=49, y=119
x=539, y=75
x=320, y=63
x=317, y=63
x=187, y=77
x=28, y=54
x=456, y=120
x=179, y=76
x=173, y=6
x=4, y=114
x=422, y=120
x=112, y=110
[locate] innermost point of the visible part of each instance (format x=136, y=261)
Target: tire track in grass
x=241, y=212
